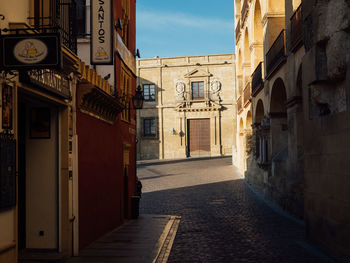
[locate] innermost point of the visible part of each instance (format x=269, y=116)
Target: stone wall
x=174, y=105
x=327, y=124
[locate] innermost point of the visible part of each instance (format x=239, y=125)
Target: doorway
x=198, y=137
x=37, y=174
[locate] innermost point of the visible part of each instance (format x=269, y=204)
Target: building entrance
x=37, y=174
x=198, y=137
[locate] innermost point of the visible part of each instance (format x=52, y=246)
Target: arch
x=248, y=122
x=278, y=120
x=296, y=4
x=238, y=7
x=259, y=112
x=258, y=32
x=246, y=46
x=278, y=97
x=276, y=6
x=239, y=71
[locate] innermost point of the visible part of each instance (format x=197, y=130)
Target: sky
x=169, y=28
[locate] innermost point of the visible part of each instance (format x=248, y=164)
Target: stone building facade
x=292, y=128
x=189, y=108
x=326, y=87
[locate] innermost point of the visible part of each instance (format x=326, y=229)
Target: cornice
x=97, y=103
x=271, y=15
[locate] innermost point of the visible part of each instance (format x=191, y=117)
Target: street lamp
x=138, y=99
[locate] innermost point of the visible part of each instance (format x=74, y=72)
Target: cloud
x=158, y=21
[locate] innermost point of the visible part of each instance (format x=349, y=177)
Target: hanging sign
x=124, y=53
x=30, y=51
x=50, y=80
x=101, y=32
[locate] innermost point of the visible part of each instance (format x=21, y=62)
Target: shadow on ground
x=226, y=222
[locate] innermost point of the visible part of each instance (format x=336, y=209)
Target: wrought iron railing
x=296, y=29
x=276, y=54
x=246, y=94
x=238, y=29
x=257, y=80
x=56, y=16
x=239, y=104
x=244, y=10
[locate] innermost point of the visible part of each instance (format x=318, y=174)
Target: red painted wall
x=100, y=161
x=100, y=178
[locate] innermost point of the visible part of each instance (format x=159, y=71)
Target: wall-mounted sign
x=101, y=32
x=7, y=106
x=48, y=79
x=124, y=53
x=30, y=51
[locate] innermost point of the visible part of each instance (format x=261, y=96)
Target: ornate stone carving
x=215, y=88
x=180, y=89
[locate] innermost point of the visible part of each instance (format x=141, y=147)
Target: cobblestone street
x=222, y=220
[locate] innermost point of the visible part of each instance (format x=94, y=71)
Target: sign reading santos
x=101, y=32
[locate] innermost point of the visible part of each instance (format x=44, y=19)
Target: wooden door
x=199, y=137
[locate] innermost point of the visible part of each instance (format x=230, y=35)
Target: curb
x=166, y=239
x=168, y=161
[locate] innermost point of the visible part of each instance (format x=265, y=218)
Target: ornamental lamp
x=138, y=99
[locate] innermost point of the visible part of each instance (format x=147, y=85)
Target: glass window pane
x=153, y=127
x=152, y=92
x=201, y=91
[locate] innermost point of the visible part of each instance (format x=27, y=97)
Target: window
x=262, y=147
x=125, y=88
x=197, y=90
x=149, y=127
x=125, y=21
x=149, y=92
x=80, y=18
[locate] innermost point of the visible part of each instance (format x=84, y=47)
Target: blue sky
x=168, y=28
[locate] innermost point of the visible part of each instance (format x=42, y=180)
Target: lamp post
x=137, y=102
x=138, y=99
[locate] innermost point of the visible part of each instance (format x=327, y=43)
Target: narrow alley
x=222, y=220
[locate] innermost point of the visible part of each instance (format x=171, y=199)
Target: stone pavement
x=147, y=239
x=222, y=220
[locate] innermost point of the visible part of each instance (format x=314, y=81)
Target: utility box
x=135, y=206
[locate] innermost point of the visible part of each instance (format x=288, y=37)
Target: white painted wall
x=41, y=188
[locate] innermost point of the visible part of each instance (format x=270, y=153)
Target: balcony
x=276, y=55
x=56, y=16
x=244, y=11
x=257, y=80
x=239, y=105
x=296, y=30
x=238, y=30
x=246, y=94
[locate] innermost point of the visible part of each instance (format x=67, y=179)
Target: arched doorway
x=261, y=134
x=258, y=35
x=278, y=120
x=248, y=137
x=246, y=58
x=259, y=112
x=239, y=74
